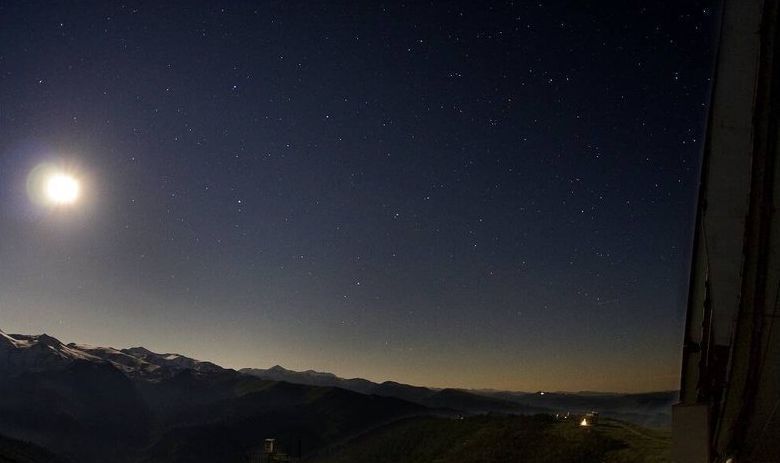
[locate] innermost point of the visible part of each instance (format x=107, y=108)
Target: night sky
x=438, y=193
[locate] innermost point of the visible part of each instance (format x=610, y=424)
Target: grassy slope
x=487, y=439
x=643, y=445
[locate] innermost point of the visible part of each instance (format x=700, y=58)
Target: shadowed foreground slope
x=488, y=439
x=15, y=451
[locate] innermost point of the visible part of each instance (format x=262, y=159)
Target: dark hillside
x=497, y=439
x=15, y=451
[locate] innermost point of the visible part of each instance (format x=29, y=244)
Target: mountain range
x=445, y=399
x=90, y=404
x=647, y=409
x=87, y=404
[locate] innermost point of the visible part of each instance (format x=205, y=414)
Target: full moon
x=56, y=186
x=62, y=188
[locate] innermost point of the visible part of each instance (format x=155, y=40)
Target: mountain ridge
x=36, y=353
x=92, y=404
x=644, y=408
x=25, y=352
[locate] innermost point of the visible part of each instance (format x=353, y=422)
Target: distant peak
x=320, y=373
x=48, y=340
x=277, y=368
x=35, y=339
x=139, y=350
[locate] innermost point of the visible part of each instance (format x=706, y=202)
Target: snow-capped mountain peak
x=37, y=352
x=22, y=352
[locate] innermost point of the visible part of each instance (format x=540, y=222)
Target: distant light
x=584, y=422
x=62, y=189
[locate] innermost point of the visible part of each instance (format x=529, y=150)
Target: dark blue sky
x=478, y=194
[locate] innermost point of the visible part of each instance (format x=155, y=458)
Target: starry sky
x=470, y=194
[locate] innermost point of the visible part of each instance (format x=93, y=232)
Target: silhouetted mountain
x=16, y=451
x=84, y=410
x=91, y=404
x=448, y=399
x=94, y=404
x=313, y=378
x=225, y=430
x=647, y=409
x=415, y=394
